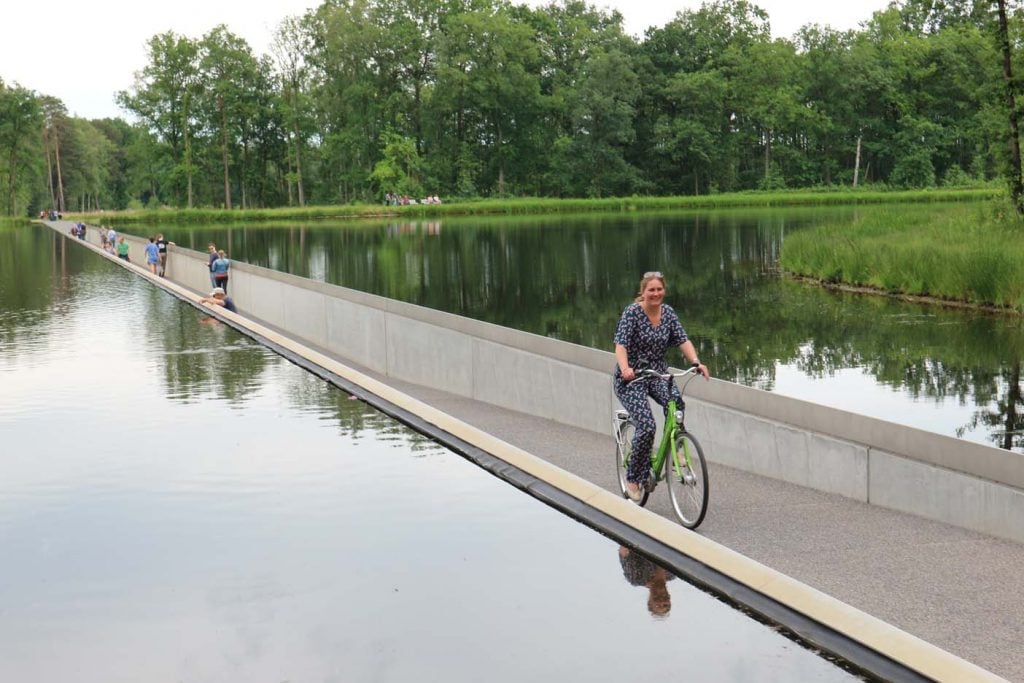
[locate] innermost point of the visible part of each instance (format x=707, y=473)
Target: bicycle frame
x=673, y=425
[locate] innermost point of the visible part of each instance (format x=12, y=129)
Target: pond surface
x=950, y=371
x=179, y=504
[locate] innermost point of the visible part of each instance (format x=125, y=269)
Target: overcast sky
x=83, y=52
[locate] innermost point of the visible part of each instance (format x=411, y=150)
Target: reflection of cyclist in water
x=639, y=571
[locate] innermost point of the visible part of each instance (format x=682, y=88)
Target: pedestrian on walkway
x=122, y=249
x=161, y=244
x=152, y=255
x=212, y=256
x=220, y=271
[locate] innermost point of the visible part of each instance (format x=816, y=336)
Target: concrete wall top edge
x=976, y=459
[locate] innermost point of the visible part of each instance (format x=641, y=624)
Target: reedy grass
x=526, y=206
x=972, y=254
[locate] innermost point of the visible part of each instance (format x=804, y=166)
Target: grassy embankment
x=965, y=254
x=525, y=206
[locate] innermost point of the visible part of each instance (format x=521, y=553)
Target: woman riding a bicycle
x=647, y=329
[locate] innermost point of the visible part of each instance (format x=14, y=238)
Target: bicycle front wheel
x=687, y=476
x=623, y=451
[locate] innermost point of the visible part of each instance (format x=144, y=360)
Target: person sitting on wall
x=218, y=298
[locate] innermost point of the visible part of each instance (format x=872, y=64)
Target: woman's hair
x=645, y=280
x=221, y=253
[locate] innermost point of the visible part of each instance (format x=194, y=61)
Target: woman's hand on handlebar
x=702, y=369
x=629, y=374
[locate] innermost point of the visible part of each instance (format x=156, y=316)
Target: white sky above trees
x=84, y=52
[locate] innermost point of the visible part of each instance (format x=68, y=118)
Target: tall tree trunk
x=60, y=180
x=501, y=164
x=49, y=168
x=12, y=183
x=298, y=148
x=224, y=151
x=856, y=164
x=188, y=152
x=767, y=157
x=1016, y=184
x=241, y=175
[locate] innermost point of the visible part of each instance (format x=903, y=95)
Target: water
x=949, y=371
x=179, y=504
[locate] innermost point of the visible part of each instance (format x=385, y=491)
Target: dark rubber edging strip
x=859, y=657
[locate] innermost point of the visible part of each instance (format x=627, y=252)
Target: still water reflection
x=952, y=372
x=179, y=504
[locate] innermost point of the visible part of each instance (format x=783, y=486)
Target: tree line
x=470, y=98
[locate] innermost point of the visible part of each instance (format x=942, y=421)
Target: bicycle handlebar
x=647, y=373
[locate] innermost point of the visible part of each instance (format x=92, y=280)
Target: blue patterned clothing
x=646, y=346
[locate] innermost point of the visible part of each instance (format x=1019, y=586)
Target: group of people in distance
x=156, y=261
x=395, y=199
x=113, y=243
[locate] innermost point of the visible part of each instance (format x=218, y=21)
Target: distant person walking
x=161, y=244
x=111, y=240
x=122, y=249
x=152, y=255
x=220, y=271
x=213, y=256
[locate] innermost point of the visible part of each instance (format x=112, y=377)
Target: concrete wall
x=871, y=460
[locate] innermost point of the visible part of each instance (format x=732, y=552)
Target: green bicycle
x=679, y=458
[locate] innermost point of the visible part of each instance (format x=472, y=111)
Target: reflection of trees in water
x=39, y=271
x=570, y=278
x=197, y=357
x=354, y=418
x=1005, y=420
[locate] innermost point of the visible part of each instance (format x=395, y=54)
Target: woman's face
x=654, y=292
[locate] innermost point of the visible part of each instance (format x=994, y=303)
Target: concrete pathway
x=954, y=588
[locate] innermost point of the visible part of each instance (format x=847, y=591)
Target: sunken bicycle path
x=957, y=589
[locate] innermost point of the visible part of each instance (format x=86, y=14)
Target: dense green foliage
x=963, y=253
x=484, y=98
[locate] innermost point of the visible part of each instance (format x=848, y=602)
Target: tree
x=163, y=98
x=1014, y=173
x=488, y=91
x=21, y=121
x=400, y=166
x=228, y=75
x=291, y=44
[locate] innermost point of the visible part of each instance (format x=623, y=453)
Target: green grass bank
x=964, y=253
x=527, y=206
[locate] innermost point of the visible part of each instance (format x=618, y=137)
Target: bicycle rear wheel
x=688, y=484
x=623, y=451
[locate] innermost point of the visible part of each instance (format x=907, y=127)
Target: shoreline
x=990, y=309
x=542, y=206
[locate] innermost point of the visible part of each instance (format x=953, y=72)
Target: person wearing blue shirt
x=220, y=270
x=152, y=255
